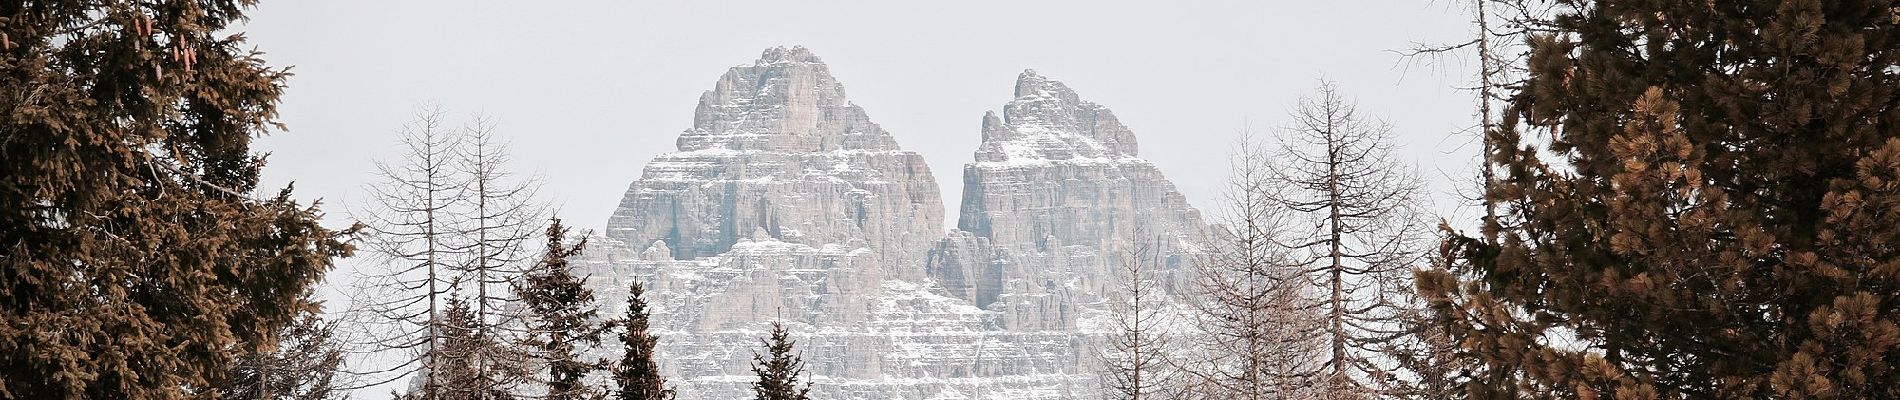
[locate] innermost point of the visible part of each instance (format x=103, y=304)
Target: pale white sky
x=589, y=91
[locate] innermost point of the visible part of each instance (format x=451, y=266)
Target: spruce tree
x=302, y=364
x=1719, y=218
x=134, y=261
x=561, y=319
x=455, y=373
x=637, y=374
x=1427, y=356
x=778, y=369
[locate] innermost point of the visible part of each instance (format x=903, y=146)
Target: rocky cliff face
x=1057, y=201
x=776, y=150
x=786, y=203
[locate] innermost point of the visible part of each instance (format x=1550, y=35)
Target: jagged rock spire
x=1047, y=121
x=785, y=203
x=777, y=152
x=787, y=100
x=1055, y=199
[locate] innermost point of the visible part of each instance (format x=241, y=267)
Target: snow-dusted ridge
x=784, y=202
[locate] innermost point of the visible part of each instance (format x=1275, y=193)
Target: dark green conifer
x=637, y=375
x=561, y=319
x=778, y=369
x=456, y=376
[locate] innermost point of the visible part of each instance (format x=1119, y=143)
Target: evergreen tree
x=1426, y=359
x=637, y=375
x=561, y=319
x=1721, y=216
x=455, y=374
x=778, y=369
x=134, y=263
x=302, y=365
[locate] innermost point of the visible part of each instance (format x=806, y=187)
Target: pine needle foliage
x=1713, y=212
x=561, y=319
x=779, y=368
x=456, y=375
x=303, y=365
x=134, y=261
x=637, y=374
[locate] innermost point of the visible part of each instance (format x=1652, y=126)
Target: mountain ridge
x=785, y=203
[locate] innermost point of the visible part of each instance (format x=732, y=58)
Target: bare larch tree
x=1501, y=29
x=411, y=225
x=1355, y=230
x=448, y=217
x=1136, y=360
x=1258, y=334
x=498, y=218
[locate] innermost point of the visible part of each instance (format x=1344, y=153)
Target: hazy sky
x=589, y=91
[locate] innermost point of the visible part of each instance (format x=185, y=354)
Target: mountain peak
x=1033, y=86
x=787, y=100
x=783, y=55
x=1047, y=121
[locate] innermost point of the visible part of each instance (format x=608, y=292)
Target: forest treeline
x=1680, y=200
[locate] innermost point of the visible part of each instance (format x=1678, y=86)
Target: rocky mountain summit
x=777, y=152
x=784, y=202
x=1055, y=203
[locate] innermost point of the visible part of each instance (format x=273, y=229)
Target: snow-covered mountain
x=786, y=203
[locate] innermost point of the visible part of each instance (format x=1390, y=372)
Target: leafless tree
x=411, y=225
x=1501, y=29
x=1259, y=337
x=447, y=218
x=1136, y=360
x=498, y=218
x=1353, y=221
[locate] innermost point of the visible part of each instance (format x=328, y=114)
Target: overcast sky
x=590, y=91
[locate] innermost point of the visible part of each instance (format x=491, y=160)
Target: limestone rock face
x=776, y=149
x=1058, y=200
x=861, y=337
x=784, y=202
